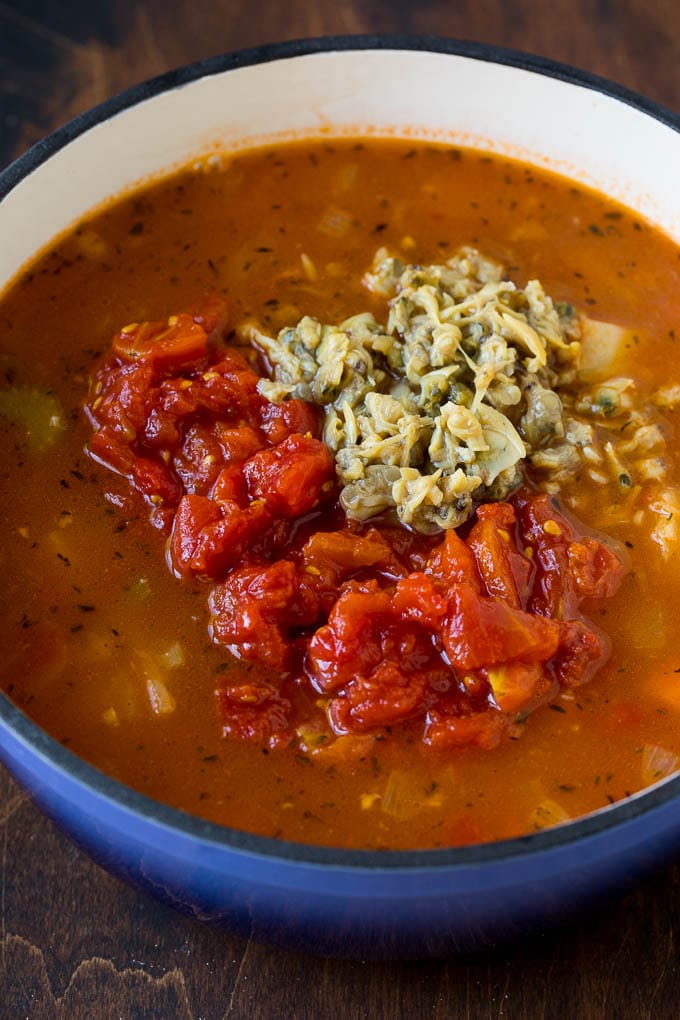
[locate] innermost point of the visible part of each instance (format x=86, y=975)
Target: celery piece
x=37, y=411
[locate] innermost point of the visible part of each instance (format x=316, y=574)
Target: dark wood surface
x=75, y=943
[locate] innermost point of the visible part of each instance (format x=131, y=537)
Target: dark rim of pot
x=56, y=755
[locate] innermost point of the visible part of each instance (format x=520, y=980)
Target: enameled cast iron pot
x=327, y=901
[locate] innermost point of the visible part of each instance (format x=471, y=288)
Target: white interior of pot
x=591, y=137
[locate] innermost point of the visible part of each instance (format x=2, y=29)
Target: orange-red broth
x=87, y=602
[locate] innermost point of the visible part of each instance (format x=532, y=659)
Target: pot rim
x=39, y=743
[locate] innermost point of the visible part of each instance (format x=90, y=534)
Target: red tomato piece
x=292, y=477
x=446, y=731
x=161, y=429
x=108, y=449
x=238, y=442
x=347, y=552
x=256, y=712
x=230, y=487
x=417, y=599
x=482, y=631
x=278, y=421
x=349, y=643
x=120, y=399
x=581, y=652
x=452, y=562
x=388, y=696
x=504, y=570
x=208, y=538
x=152, y=479
x=200, y=459
x=194, y=513
x=596, y=569
x=167, y=344
x=255, y=607
x=547, y=532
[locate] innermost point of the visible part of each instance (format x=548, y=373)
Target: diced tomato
x=292, y=477
x=417, y=599
x=516, y=684
x=209, y=538
x=581, y=652
x=255, y=712
x=547, y=532
x=161, y=429
x=255, y=607
x=151, y=478
x=452, y=562
x=278, y=421
x=154, y=480
x=481, y=631
x=170, y=343
x=230, y=487
x=238, y=442
x=447, y=732
x=120, y=399
x=108, y=449
x=567, y=569
x=350, y=641
x=596, y=569
x=347, y=552
x=199, y=460
x=386, y=697
x=504, y=570
x=194, y=513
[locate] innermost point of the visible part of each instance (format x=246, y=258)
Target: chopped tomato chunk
x=171, y=343
x=581, y=652
x=417, y=599
x=597, y=571
x=347, y=552
x=255, y=607
x=278, y=421
x=453, y=563
x=479, y=729
x=292, y=477
x=386, y=697
x=257, y=712
x=504, y=571
x=209, y=538
x=482, y=631
x=230, y=486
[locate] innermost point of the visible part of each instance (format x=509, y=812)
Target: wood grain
x=75, y=943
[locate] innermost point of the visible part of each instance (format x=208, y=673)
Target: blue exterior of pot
x=358, y=904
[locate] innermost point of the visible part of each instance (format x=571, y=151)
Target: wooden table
x=75, y=942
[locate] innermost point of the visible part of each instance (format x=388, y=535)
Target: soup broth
x=111, y=654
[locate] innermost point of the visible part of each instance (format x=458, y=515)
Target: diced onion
x=162, y=701
x=174, y=656
x=548, y=813
x=404, y=796
x=368, y=800
x=658, y=763
x=335, y=222
x=110, y=717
